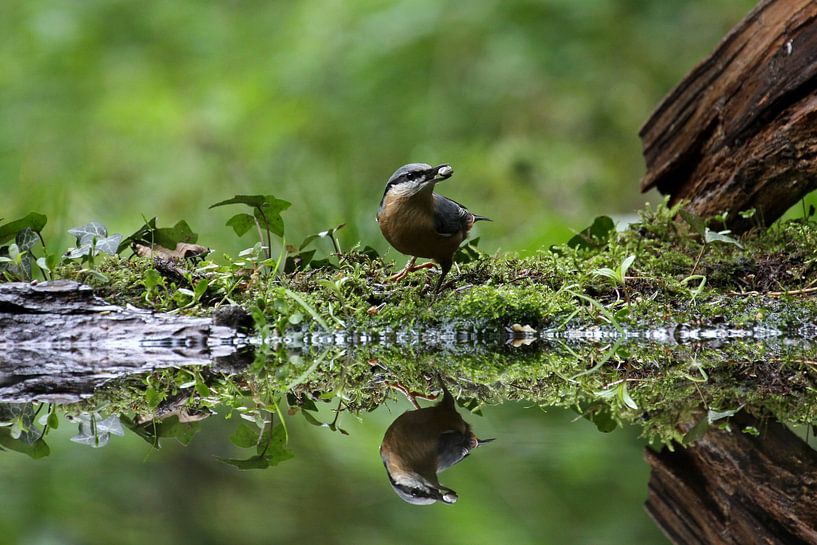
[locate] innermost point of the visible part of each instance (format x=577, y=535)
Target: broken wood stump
x=732, y=488
x=59, y=342
x=740, y=131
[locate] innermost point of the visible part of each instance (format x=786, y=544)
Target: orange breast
x=409, y=227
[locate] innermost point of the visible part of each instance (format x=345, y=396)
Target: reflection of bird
x=422, y=443
x=421, y=223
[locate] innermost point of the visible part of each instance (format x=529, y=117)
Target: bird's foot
x=407, y=269
x=411, y=395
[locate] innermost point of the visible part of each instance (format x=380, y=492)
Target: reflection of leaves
x=702, y=426
x=599, y=413
x=37, y=449
x=245, y=436
x=170, y=427
x=271, y=449
x=594, y=237
x=18, y=432
x=95, y=432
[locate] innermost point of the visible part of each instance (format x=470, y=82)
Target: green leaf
x=271, y=219
x=200, y=289
x=722, y=236
x=323, y=234
x=468, y=252
x=53, y=421
x=167, y=237
x=276, y=450
x=606, y=272
x=713, y=415
x=33, y=221
x=253, y=462
x=311, y=419
x=695, y=221
x=245, y=436
x=625, y=265
x=267, y=202
x=697, y=431
x=594, y=237
x=255, y=201
x=241, y=223
x=624, y=396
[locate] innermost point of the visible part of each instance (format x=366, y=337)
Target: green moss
x=676, y=282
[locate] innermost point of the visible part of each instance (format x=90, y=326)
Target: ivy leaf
x=33, y=221
x=88, y=232
x=168, y=237
x=241, y=223
x=109, y=245
x=26, y=239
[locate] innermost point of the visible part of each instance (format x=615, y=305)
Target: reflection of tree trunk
x=59, y=341
x=737, y=489
x=740, y=131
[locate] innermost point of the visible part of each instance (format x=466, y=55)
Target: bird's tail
x=477, y=218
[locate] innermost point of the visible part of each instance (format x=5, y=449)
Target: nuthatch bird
x=421, y=223
x=422, y=443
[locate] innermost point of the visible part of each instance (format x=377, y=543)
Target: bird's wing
x=452, y=447
x=450, y=217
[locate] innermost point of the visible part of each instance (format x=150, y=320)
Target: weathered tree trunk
x=740, y=131
x=59, y=342
x=732, y=488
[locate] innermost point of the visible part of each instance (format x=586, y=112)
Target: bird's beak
x=446, y=495
x=441, y=172
x=481, y=442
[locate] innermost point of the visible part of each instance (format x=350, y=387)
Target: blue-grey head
x=414, y=177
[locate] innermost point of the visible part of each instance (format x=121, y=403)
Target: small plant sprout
x=619, y=275
x=266, y=216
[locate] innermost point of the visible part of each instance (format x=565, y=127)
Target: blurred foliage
x=112, y=110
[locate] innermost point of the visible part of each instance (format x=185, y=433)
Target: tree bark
x=60, y=342
x=732, y=488
x=740, y=131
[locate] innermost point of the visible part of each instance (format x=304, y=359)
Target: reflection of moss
x=653, y=385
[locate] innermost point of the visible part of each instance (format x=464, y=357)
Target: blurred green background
x=113, y=109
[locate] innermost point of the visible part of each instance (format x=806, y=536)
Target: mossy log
x=60, y=341
x=740, y=130
x=733, y=488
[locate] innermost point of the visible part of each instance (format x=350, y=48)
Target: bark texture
x=737, y=489
x=740, y=131
x=58, y=341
